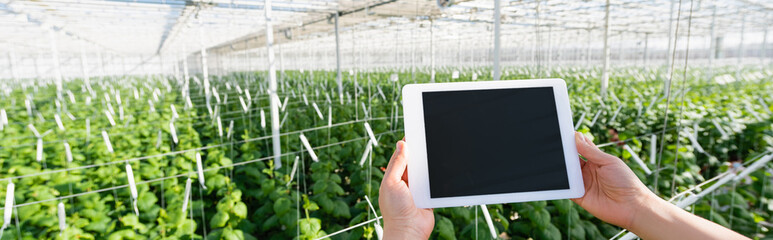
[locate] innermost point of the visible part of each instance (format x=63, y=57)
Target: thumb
x=587, y=149
x=397, y=165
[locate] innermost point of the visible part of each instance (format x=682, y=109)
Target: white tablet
x=471, y=143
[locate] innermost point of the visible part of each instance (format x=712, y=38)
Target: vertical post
x=646, y=48
x=101, y=63
x=273, y=99
x=605, y=71
x=12, y=63
x=432, y=50
x=550, y=50
x=669, y=59
x=741, y=49
x=338, y=61
x=204, y=67
x=55, y=59
x=84, y=67
x=764, y=53
x=712, y=44
x=497, y=40
x=588, y=53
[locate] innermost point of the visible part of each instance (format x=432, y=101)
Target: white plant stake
x=377, y=225
x=319, y=113
x=695, y=143
x=34, y=130
x=158, y=139
x=8, y=210
x=174, y=112
x=219, y=127
x=107, y=141
x=305, y=100
x=110, y=118
x=244, y=106
x=39, y=154
x=365, y=110
x=200, y=170
x=719, y=128
x=455, y=75
x=69, y=115
x=187, y=194
x=67, y=152
x=487, y=216
x=58, y=120
x=329, y=116
x=136, y=94
x=152, y=107
x=365, y=154
x=132, y=187
x=637, y=159
x=88, y=127
x=308, y=148
x=381, y=93
x=579, y=121
x=595, y=117
x=62, y=217
x=230, y=129
x=173, y=130
x=653, y=148
x=262, y=118
x=120, y=112
x=372, y=136
x=292, y=173
x=118, y=97
x=284, y=105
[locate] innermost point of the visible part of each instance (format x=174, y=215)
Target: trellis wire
x=190, y=172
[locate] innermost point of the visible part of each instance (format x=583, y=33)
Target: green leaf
x=240, y=210
x=445, y=228
x=282, y=205
x=219, y=220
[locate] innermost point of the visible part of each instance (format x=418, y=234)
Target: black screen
x=493, y=141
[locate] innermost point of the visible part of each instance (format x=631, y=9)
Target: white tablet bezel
x=418, y=176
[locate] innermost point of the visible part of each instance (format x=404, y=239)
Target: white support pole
x=764, y=53
x=667, y=86
x=741, y=49
x=432, y=50
x=55, y=60
x=712, y=45
x=204, y=67
x=338, y=61
x=84, y=68
x=273, y=99
x=12, y=63
x=646, y=48
x=588, y=54
x=497, y=39
x=605, y=71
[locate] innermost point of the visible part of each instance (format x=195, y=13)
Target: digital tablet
x=471, y=143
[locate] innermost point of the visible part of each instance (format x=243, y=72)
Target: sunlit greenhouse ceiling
x=147, y=31
x=281, y=119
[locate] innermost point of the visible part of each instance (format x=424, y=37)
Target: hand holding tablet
x=473, y=164
x=490, y=142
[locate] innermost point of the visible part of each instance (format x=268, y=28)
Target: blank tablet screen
x=493, y=141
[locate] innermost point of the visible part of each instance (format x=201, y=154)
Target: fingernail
x=399, y=146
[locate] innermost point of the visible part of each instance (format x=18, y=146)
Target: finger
x=587, y=149
x=397, y=164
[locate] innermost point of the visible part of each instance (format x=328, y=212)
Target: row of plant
x=248, y=196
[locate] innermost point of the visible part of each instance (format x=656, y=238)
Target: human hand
x=613, y=193
x=402, y=220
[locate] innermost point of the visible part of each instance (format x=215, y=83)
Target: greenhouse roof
x=174, y=27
